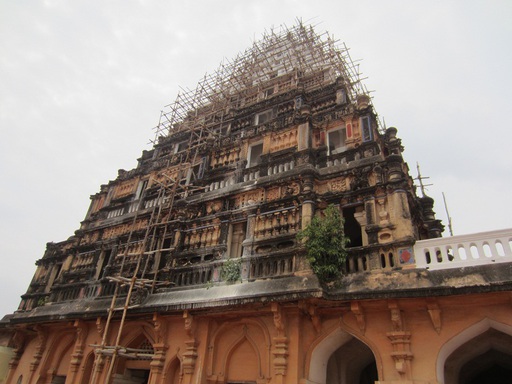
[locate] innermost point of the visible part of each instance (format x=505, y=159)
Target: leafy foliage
x=325, y=244
x=231, y=270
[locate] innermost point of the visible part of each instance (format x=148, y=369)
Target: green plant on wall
x=42, y=301
x=231, y=270
x=325, y=242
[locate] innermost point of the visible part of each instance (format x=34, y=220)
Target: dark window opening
x=352, y=228
x=255, y=152
x=141, y=188
x=167, y=243
x=336, y=141
x=105, y=262
x=263, y=117
x=179, y=147
x=366, y=128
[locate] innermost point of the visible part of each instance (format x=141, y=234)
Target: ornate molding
x=401, y=341
x=434, y=312
x=190, y=354
x=41, y=344
x=311, y=311
x=279, y=320
x=357, y=310
x=81, y=335
x=17, y=342
x=280, y=342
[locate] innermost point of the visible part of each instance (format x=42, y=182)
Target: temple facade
x=187, y=268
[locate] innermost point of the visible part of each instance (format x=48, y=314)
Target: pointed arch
x=468, y=345
x=236, y=346
x=58, y=354
x=139, y=336
x=229, y=336
x=87, y=369
x=173, y=371
x=134, y=331
x=327, y=346
x=228, y=325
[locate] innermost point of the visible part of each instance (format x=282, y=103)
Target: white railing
x=464, y=250
x=278, y=168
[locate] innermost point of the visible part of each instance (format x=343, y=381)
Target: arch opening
x=486, y=358
x=135, y=370
x=341, y=358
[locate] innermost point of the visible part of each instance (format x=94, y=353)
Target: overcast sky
x=82, y=84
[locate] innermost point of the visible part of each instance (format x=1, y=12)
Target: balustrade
x=201, y=237
x=225, y=158
x=252, y=173
x=464, y=250
x=279, y=222
x=115, y=213
x=256, y=268
x=220, y=184
x=357, y=262
x=133, y=206
x=360, y=260
x=83, y=261
x=280, y=167
x=348, y=155
x=271, y=266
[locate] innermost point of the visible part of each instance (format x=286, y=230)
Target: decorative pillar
x=41, y=344
x=401, y=342
x=280, y=343
x=307, y=213
x=99, y=360
x=159, y=347
x=78, y=352
x=190, y=355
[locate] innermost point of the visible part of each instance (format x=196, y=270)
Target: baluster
x=209, y=235
x=217, y=235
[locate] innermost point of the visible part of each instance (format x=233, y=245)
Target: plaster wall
x=286, y=343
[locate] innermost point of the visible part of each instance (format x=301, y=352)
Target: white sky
x=83, y=82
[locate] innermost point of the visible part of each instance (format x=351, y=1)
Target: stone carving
x=283, y=140
x=277, y=223
x=41, y=344
x=434, y=312
x=338, y=185
x=273, y=193
x=78, y=353
x=357, y=310
x=401, y=342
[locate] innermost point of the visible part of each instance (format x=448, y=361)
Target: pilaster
x=401, y=342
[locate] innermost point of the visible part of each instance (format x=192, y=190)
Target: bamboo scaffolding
x=297, y=55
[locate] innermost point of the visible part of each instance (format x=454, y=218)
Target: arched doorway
x=87, y=370
x=135, y=369
x=340, y=358
x=479, y=355
x=173, y=373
